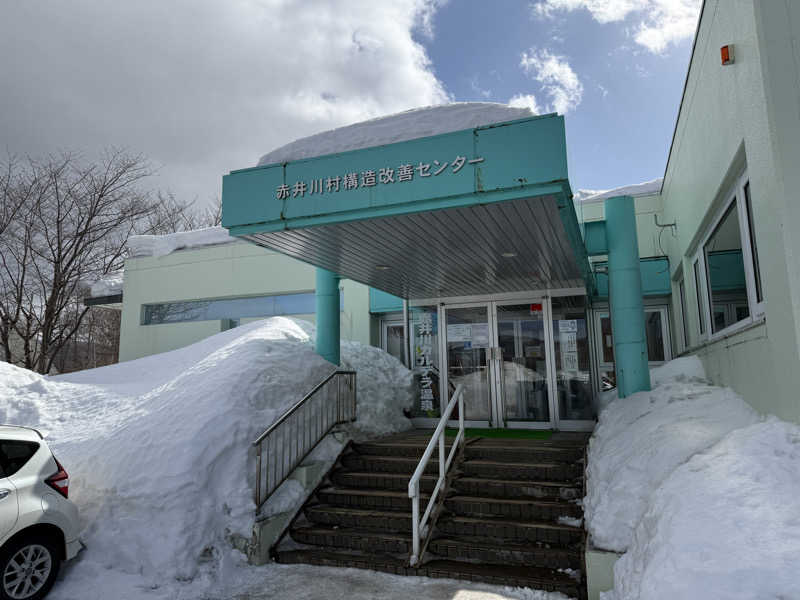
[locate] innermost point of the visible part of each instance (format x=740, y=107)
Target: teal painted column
x=625, y=297
x=327, y=304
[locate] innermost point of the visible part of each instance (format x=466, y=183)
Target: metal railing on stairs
x=287, y=442
x=420, y=531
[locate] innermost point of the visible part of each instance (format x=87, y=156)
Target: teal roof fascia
x=383, y=302
x=521, y=158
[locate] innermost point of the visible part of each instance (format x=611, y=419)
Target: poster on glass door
x=568, y=344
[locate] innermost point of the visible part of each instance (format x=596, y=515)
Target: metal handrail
x=419, y=529
x=300, y=429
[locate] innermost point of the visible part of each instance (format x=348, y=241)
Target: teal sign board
x=485, y=164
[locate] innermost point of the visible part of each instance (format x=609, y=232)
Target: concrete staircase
x=510, y=515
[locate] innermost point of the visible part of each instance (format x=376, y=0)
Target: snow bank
x=641, y=439
x=723, y=525
x=161, y=245
x=401, y=127
x=158, y=448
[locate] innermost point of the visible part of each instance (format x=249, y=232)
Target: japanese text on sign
x=371, y=178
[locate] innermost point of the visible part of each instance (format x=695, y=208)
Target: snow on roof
x=400, y=127
x=647, y=188
x=161, y=245
x=110, y=285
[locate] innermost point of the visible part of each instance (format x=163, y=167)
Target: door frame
x=444, y=373
x=499, y=401
x=385, y=323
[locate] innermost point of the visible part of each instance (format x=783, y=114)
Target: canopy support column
x=625, y=295
x=327, y=305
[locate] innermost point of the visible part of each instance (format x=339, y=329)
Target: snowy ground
x=158, y=450
x=700, y=491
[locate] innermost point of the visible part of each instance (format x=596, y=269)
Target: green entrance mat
x=525, y=434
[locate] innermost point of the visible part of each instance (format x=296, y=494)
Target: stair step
x=380, y=481
x=517, y=488
x=368, y=498
x=518, y=576
x=387, y=464
x=513, y=508
x=519, y=453
x=411, y=448
x=525, y=471
x=355, y=518
x=496, y=529
x=509, y=553
x=353, y=539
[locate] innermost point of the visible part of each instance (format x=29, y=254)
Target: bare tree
x=69, y=228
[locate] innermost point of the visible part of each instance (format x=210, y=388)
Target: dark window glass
x=655, y=336
x=231, y=309
x=727, y=290
x=14, y=454
x=653, y=330
x=697, y=288
x=753, y=245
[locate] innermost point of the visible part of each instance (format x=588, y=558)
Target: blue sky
x=620, y=130
x=201, y=87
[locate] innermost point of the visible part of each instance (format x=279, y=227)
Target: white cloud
x=526, y=101
x=201, y=86
x=474, y=83
x=660, y=22
x=558, y=79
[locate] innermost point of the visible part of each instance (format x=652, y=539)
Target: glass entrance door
x=467, y=343
x=522, y=364
x=522, y=373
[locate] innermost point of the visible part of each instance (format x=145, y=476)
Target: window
x=753, y=248
x=728, y=259
x=699, y=297
x=682, y=291
x=230, y=309
x=14, y=455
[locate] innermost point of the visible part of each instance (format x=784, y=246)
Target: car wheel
x=28, y=568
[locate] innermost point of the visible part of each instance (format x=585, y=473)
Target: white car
x=38, y=524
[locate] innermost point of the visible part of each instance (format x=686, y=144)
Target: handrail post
x=415, y=525
x=258, y=475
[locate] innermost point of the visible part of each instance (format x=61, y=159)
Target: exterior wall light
x=508, y=254
x=382, y=267
x=726, y=53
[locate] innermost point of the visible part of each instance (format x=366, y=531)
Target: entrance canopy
x=483, y=210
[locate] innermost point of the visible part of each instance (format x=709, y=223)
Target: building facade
x=481, y=277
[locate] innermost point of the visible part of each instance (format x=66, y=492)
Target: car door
x=9, y=505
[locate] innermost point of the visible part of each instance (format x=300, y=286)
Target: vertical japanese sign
x=568, y=344
x=424, y=341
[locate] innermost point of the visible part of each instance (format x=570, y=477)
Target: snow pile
x=110, y=285
x=401, y=127
x=641, y=439
x=723, y=525
x=647, y=188
x=158, y=448
x=161, y=245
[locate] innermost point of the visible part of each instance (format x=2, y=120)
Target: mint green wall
x=743, y=115
x=226, y=270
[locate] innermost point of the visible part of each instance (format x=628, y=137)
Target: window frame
x=756, y=308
